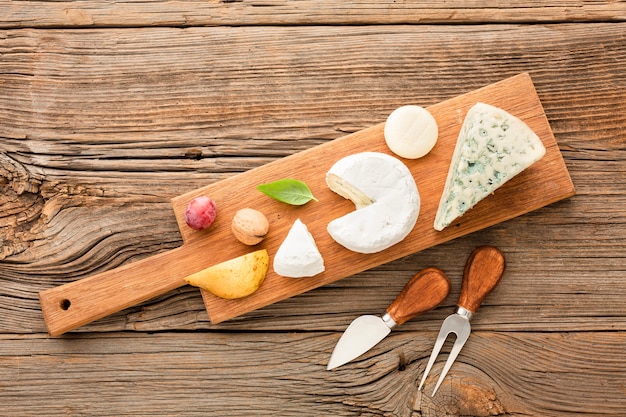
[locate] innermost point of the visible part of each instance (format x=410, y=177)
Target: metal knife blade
x=361, y=335
x=427, y=289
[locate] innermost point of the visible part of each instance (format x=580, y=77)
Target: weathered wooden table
x=108, y=110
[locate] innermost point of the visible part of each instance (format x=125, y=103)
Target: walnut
x=249, y=226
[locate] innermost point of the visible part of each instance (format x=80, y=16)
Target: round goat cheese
x=411, y=132
x=386, y=198
x=298, y=255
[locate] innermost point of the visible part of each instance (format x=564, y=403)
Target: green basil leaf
x=288, y=191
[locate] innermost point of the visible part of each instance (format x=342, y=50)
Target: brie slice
x=298, y=255
x=386, y=198
x=493, y=146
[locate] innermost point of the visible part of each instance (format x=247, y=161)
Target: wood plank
x=108, y=169
x=268, y=92
x=39, y=13
x=242, y=374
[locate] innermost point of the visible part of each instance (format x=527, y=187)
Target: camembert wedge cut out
x=298, y=256
x=493, y=147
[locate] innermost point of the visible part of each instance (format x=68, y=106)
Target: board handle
x=77, y=303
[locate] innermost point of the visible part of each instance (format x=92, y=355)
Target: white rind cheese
x=411, y=131
x=386, y=198
x=298, y=255
x=493, y=147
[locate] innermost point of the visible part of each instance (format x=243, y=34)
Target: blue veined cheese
x=493, y=147
x=298, y=256
x=386, y=198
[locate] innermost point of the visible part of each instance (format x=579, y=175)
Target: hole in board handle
x=65, y=304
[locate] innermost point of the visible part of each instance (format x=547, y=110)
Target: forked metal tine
x=441, y=338
x=458, y=345
x=460, y=326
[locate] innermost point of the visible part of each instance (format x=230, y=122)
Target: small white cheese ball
x=411, y=131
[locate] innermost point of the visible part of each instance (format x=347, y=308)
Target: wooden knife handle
x=425, y=291
x=69, y=306
x=483, y=271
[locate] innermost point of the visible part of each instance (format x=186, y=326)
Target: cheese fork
x=483, y=271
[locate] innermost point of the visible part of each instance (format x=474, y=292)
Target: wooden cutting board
x=547, y=181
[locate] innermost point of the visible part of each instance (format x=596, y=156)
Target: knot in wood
x=14, y=174
x=460, y=397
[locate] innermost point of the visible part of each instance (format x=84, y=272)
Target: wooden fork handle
x=483, y=271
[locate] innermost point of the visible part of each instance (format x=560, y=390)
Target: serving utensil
x=426, y=290
x=483, y=271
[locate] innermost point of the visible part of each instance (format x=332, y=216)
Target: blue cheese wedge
x=493, y=147
x=298, y=256
x=386, y=198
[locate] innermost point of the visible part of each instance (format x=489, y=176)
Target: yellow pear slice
x=235, y=278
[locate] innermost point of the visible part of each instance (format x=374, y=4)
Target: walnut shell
x=250, y=226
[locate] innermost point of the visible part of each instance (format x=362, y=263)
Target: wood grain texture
x=93, y=147
x=210, y=374
x=41, y=13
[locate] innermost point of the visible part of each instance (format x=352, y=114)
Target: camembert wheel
x=386, y=198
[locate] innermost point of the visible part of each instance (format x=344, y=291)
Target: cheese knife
x=427, y=289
